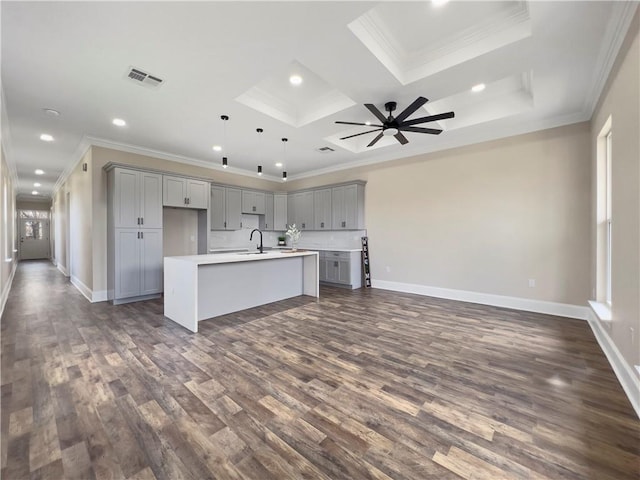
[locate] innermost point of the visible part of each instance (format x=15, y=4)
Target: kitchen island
x=199, y=287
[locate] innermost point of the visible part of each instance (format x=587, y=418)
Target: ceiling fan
x=395, y=126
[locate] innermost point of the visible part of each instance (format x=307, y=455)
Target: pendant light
x=224, y=119
x=284, y=158
x=259, y=130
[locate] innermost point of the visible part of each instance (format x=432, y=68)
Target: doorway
x=34, y=234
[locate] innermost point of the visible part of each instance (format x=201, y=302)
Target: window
x=608, y=217
x=604, y=215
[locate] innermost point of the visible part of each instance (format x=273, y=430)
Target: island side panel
x=230, y=287
x=311, y=273
x=181, y=292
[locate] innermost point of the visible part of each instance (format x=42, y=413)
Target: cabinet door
x=174, y=193
x=279, y=212
x=332, y=270
x=322, y=209
x=338, y=220
x=267, y=224
x=292, y=200
x=127, y=260
x=218, y=209
x=322, y=273
x=126, y=194
x=306, y=210
x=151, y=200
x=233, y=210
x=197, y=193
x=344, y=272
x=259, y=200
x=150, y=261
x=248, y=202
x=354, y=206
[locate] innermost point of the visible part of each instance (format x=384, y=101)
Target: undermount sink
x=252, y=253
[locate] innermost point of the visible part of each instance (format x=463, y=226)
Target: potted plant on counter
x=282, y=241
x=294, y=234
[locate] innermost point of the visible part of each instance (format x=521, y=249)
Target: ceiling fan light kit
x=394, y=126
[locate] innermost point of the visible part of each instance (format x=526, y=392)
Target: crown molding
x=78, y=154
x=5, y=134
x=617, y=30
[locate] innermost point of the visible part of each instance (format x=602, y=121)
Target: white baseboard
x=526, y=304
x=84, y=290
x=99, y=296
x=626, y=376
x=7, y=287
x=93, y=297
x=62, y=269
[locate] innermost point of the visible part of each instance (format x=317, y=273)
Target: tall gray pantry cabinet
x=134, y=234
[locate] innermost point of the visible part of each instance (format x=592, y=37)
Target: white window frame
x=608, y=219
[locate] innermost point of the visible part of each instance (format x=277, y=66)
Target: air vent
x=326, y=149
x=143, y=78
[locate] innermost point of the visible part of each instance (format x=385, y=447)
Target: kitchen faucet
x=251, y=238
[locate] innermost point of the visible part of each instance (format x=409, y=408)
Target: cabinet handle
x=303, y=225
x=141, y=234
x=240, y=224
x=188, y=201
x=138, y=235
x=138, y=220
x=253, y=209
x=344, y=224
x=225, y=224
x=335, y=264
x=321, y=224
x=141, y=220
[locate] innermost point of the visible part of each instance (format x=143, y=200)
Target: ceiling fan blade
x=430, y=118
x=373, y=142
x=362, y=133
x=379, y=115
x=355, y=123
x=433, y=131
x=417, y=103
x=401, y=138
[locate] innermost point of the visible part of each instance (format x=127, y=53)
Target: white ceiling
x=544, y=64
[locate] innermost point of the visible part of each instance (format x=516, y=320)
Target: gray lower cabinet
x=134, y=234
x=138, y=263
x=341, y=268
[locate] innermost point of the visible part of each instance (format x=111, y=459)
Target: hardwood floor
x=362, y=384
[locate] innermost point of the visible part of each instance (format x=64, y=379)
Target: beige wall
x=22, y=204
x=8, y=258
x=621, y=101
x=60, y=224
x=484, y=218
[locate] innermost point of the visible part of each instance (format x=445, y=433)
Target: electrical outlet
x=532, y=282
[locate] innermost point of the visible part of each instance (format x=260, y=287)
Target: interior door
x=34, y=238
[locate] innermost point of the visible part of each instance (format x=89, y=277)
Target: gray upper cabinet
x=266, y=222
x=226, y=208
x=185, y=192
x=279, y=211
x=233, y=209
x=300, y=210
x=322, y=209
x=347, y=207
x=253, y=202
x=137, y=199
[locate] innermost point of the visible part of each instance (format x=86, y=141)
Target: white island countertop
x=202, y=287
x=249, y=256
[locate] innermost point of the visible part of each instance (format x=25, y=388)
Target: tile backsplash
x=309, y=239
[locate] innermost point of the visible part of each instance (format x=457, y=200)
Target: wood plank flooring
x=362, y=384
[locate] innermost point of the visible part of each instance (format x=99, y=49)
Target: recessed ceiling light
x=39, y=172
x=217, y=148
x=438, y=3
x=367, y=123
x=45, y=137
x=35, y=192
x=36, y=184
x=51, y=112
x=118, y=122
x=295, y=80
x=279, y=164
x=478, y=88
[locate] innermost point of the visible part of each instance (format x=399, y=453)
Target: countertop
x=209, y=259
x=303, y=247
